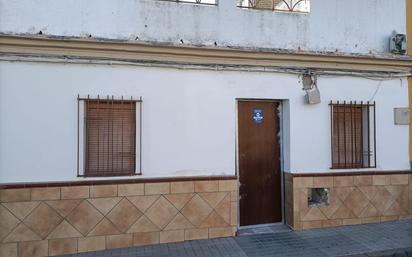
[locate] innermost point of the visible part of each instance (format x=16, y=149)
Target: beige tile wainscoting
x=353, y=199
x=42, y=221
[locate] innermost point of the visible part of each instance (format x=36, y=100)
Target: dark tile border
x=183, y=179
x=114, y=181
x=351, y=173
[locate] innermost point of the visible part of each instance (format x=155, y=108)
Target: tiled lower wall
x=353, y=200
x=61, y=220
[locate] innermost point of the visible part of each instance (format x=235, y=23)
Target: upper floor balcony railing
x=277, y=5
x=302, y=6
x=207, y=2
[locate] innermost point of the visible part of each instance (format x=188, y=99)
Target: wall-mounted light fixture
x=309, y=83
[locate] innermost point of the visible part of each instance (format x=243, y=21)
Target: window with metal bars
x=353, y=136
x=109, y=138
x=302, y=6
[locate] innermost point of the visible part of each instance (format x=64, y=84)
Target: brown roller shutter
x=347, y=137
x=110, y=138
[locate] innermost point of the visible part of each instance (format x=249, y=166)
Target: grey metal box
x=313, y=96
x=401, y=116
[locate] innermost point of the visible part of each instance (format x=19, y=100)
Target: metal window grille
x=109, y=136
x=353, y=135
x=277, y=5
x=206, y=2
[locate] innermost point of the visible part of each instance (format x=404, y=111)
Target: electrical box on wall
x=313, y=96
x=401, y=116
x=398, y=43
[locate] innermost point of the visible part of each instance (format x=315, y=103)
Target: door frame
x=281, y=145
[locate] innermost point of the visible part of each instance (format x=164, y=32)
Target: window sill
x=110, y=176
x=357, y=172
x=354, y=169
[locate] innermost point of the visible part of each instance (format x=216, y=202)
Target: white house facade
x=139, y=122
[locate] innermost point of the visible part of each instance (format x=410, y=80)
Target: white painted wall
x=351, y=26
x=189, y=118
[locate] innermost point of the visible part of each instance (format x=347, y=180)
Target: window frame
x=82, y=134
x=367, y=152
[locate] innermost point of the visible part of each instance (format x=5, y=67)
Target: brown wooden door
x=259, y=163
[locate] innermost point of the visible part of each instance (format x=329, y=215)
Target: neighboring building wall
x=189, y=118
x=354, y=199
x=409, y=38
x=44, y=221
x=349, y=26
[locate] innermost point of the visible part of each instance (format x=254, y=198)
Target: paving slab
x=372, y=240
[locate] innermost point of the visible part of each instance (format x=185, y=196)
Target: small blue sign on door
x=258, y=116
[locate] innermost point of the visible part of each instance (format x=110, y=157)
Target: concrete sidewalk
x=360, y=240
